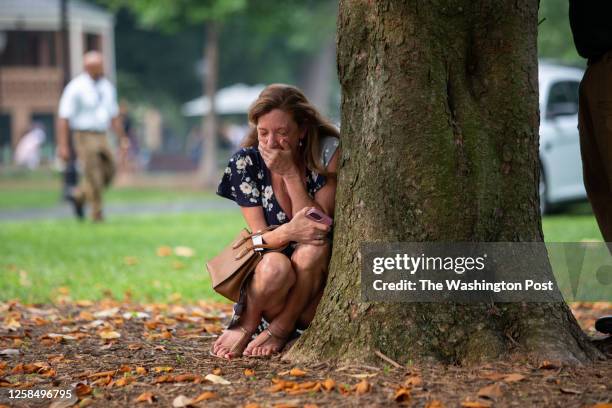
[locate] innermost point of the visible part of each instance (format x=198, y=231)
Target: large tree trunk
x=207, y=172
x=439, y=143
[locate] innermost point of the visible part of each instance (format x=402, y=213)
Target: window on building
x=5, y=138
x=29, y=48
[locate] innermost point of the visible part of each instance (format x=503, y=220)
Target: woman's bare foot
x=270, y=341
x=232, y=342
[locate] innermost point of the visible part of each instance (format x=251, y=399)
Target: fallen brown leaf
x=215, y=379
x=344, y=389
x=566, y=390
x=363, y=375
x=184, y=251
x=493, y=376
x=434, y=404
x=204, y=396
x=102, y=381
x=402, y=395
x=362, y=387
x=82, y=389
x=53, y=358
x=475, y=404
x=163, y=379
x=307, y=385
x=186, y=377
x=147, y=397
x=514, y=377
x=122, y=382
x=141, y=370
x=297, y=372
x=492, y=391
x=249, y=372
x=109, y=334
x=328, y=384
x=164, y=251
x=102, y=374
x=414, y=380
x=164, y=369
x=48, y=372
x=549, y=365
x=5, y=383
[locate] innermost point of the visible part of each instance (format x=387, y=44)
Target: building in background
x=31, y=60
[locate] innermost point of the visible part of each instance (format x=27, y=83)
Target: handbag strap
x=258, y=246
x=244, y=238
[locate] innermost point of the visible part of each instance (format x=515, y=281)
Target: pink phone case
x=319, y=216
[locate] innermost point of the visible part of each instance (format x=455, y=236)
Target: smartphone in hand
x=319, y=216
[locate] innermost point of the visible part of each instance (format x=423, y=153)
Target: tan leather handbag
x=231, y=268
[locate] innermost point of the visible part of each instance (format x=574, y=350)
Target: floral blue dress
x=248, y=181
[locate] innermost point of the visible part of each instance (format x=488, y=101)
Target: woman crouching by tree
x=285, y=168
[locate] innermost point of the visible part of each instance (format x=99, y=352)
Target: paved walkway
x=110, y=209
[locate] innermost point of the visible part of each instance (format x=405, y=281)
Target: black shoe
x=77, y=207
x=604, y=325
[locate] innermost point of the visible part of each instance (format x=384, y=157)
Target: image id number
x=31, y=394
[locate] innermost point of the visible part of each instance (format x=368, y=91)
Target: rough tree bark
x=439, y=143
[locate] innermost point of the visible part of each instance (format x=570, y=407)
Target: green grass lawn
x=572, y=223
x=39, y=257
x=30, y=195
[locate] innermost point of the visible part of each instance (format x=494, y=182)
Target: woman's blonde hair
x=291, y=100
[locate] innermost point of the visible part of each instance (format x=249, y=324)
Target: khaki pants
x=595, y=125
x=97, y=166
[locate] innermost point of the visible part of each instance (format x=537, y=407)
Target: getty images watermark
x=469, y=272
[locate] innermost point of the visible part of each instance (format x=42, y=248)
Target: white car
x=561, y=164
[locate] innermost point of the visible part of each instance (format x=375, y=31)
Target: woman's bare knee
x=310, y=257
x=273, y=276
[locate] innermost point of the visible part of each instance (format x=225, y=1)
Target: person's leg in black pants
x=71, y=180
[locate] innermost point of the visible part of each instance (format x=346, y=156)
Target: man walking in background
x=591, y=23
x=88, y=107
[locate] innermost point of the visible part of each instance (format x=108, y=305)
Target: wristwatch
x=257, y=240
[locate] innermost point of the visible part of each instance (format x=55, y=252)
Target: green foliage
x=174, y=15
x=155, y=65
x=555, y=40
x=159, y=45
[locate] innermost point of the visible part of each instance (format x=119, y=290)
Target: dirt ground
x=115, y=353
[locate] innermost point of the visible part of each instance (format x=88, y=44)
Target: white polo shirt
x=88, y=104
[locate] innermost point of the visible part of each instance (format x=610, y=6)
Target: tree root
x=604, y=345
